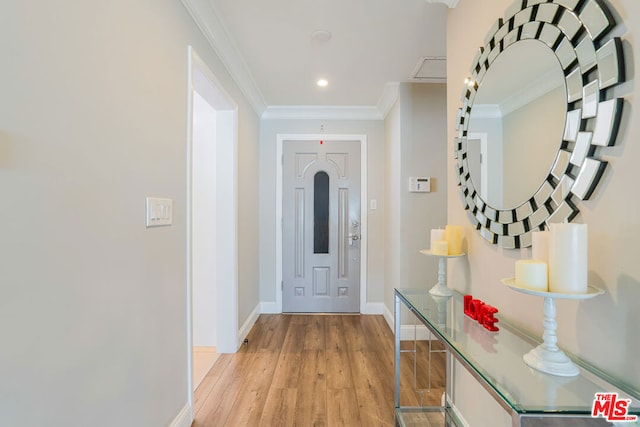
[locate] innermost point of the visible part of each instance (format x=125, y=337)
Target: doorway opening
x=211, y=221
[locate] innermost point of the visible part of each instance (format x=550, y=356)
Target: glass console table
x=494, y=359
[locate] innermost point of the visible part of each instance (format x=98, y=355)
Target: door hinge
x=282, y=285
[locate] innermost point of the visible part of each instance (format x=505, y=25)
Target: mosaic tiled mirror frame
x=575, y=31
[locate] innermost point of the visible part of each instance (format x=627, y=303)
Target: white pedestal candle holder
x=440, y=288
x=547, y=357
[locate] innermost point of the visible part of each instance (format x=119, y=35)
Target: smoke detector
x=321, y=35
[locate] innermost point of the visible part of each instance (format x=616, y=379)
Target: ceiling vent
x=430, y=69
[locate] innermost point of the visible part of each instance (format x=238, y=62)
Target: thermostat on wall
x=420, y=184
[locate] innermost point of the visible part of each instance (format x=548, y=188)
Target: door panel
x=321, y=226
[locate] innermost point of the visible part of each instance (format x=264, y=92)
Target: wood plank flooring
x=315, y=370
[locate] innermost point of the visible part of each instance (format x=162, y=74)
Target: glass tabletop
x=497, y=358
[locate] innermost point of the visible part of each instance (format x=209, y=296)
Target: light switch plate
x=159, y=211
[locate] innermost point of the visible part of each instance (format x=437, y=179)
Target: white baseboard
x=458, y=415
x=409, y=331
x=248, y=324
x=373, y=308
x=388, y=316
x=369, y=308
x=269, y=308
x=419, y=332
x=184, y=418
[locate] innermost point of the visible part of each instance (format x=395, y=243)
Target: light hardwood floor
x=314, y=370
x=203, y=359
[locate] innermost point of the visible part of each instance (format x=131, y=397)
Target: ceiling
x=270, y=49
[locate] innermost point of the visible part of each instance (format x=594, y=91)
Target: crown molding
x=207, y=19
x=361, y=112
x=388, y=98
x=358, y=112
x=310, y=112
x=450, y=3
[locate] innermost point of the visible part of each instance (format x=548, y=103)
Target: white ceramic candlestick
x=440, y=288
x=547, y=357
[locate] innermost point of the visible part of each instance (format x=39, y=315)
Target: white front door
x=321, y=227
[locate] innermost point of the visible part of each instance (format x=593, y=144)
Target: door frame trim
x=362, y=140
x=227, y=334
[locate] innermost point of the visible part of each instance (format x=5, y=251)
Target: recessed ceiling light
x=322, y=83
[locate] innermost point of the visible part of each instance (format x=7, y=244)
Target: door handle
x=353, y=238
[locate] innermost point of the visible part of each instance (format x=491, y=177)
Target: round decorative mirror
x=534, y=110
x=525, y=81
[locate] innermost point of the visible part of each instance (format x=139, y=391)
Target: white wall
x=424, y=151
x=268, y=162
x=93, y=118
x=603, y=330
x=415, y=146
x=204, y=220
x=393, y=203
x=248, y=222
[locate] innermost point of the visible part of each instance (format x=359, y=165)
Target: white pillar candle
x=540, y=245
x=568, y=258
x=437, y=234
x=453, y=235
x=532, y=274
x=440, y=247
